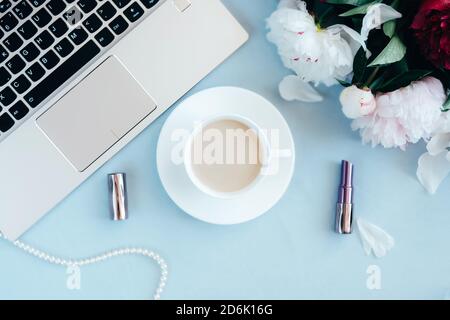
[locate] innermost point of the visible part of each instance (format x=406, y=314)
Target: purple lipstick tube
x=344, y=208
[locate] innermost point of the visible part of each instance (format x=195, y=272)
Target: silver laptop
x=79, y=79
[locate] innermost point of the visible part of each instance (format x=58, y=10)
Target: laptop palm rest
x=96, y=113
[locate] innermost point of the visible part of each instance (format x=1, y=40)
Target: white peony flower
x=314, y=54
x=434, y=166
x=403, y=116
x=377, y=14
x=357, y=102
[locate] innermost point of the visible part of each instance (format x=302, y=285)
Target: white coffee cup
x=253, y=172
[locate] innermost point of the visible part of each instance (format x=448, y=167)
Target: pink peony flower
x=403, y=116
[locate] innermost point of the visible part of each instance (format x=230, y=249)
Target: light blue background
x=291, y=252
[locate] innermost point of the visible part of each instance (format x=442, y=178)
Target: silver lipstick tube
x=118, y=196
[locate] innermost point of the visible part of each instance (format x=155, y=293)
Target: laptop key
x=73, y=16
x=30, y=52
x=35, y=72
x=19, y=110
x=64, y=48
x=27, y=30
x=13, y=42
x=92, y=23
x=106, y=11
x=78, y=36
x=5, y=5
x=6, y=122
x=3, y=54
x=56, y=6
x=21, y=84
x=58, y=28
x=44, y=40
x=104, y=37
x=7, y=96
x=49, y=60
x=134, y=12
x=149, y=3
x=37, y=3
x=23, y=9
x=15, y=64
x=118, y=25
x=87, y=5
x=61, y=74
x=5, y=76
x=121, y=3
x=8, y=21
x=42, y=18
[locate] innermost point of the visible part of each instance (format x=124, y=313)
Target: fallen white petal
x=375, y=239
x=438, y=144
x=293, y=88
x=376, y=15
x=432, y=170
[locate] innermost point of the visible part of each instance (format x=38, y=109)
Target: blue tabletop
x=291, y=252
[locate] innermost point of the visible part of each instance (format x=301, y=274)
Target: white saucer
x=186, y=195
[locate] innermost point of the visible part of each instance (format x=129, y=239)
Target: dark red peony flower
x=431, y=28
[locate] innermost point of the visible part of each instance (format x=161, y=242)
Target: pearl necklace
x=101, y=257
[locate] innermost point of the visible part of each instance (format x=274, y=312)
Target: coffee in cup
x=225, y=155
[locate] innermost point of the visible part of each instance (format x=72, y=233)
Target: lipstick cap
x=118, y=196
x=346, y=174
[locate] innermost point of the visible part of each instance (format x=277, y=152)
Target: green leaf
x=389, y=28
x=394, y=51
x=359, y=66
x=344, y=83
x=400, y=67
x=349, y=2
x=325, y=16
x=446, y=106
x=358, y=10
x=378, y=83
x=404, y=80
x=395, y=4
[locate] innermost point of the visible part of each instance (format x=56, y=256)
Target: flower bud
x=357, y=102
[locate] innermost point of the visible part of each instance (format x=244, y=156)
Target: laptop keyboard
x=43, y=43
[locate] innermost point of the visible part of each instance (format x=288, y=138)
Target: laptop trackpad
x=96, y=113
